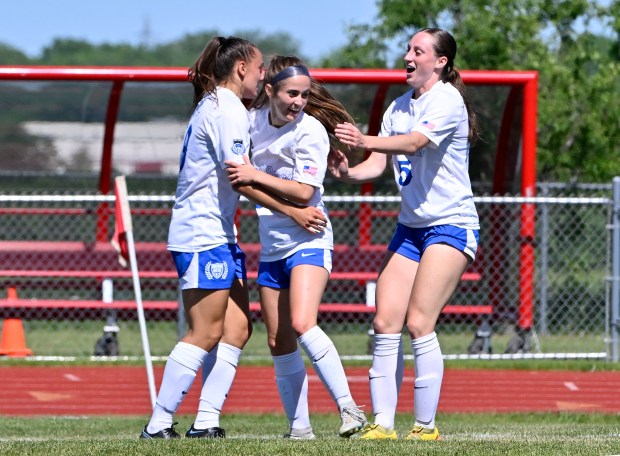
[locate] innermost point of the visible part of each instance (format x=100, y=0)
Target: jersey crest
x=238, y=147
x=216, y=270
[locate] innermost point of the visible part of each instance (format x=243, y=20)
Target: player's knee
x=243, y=334
x=239, y=337
x=301, y=326
x=420, y=328
x=204, y=341
x=383, y=326
x=281, y=343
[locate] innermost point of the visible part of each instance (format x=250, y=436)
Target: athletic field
x=261, y=434
x=101, y=409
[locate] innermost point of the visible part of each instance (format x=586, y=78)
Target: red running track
x=78, y=391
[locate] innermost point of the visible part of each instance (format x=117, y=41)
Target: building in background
x=139, y=147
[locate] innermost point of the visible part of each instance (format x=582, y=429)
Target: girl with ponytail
x=426, y=132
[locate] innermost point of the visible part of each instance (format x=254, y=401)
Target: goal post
x=512, y=165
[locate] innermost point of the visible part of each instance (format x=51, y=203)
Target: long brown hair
x=216, y=63
x=321, y=104
x=445, y=46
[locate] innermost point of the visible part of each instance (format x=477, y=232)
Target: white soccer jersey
x=434, y=182
x=205, y=203
x=296, y=151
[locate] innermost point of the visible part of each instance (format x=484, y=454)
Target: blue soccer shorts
x=213, y=269
x=411, y=242
x=277, y=274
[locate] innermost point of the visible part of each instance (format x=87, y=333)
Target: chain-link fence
x=62, y=278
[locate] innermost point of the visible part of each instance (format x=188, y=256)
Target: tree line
x=572, y=44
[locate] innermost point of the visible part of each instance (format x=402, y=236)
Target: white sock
x=179, y=374
x=386, y=376
x=292, y=383
x=327, y=364
x=428, y=363
x=400, y=366
x=218, y=373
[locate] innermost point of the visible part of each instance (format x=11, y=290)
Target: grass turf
x=470, y=434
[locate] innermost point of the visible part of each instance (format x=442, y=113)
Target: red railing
x=524, y=88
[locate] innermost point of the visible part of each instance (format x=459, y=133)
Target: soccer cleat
x=353, y=420
x=422, y=433
x=376, y=432
x=300, y=434
x=168, y=433
x=208, y=433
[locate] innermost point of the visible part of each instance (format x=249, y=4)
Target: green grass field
x=463, y=434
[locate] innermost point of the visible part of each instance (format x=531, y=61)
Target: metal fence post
x=615, y=271
x=544, y=259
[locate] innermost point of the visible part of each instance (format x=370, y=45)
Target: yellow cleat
x=376, y=432
x=422, y=433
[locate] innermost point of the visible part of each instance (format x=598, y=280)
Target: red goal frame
x=523, y=96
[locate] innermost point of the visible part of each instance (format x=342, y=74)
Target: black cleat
x=168, y=433
x=209, y=433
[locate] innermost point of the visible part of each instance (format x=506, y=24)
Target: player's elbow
x=303, y=195
x=415, y=142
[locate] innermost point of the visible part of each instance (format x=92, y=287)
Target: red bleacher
x=35, y=263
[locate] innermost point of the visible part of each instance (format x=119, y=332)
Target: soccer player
x=289, y=158
x=426, y=132
x=202, y=237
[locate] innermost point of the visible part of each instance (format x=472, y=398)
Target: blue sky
x=318, y=25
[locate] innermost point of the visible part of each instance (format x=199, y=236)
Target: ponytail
x=453, y=76
x=216, y=63
x=445, y=45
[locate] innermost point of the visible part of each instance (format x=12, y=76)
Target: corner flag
x=122, y=223
x=123, y=242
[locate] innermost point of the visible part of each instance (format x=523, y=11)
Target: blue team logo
x=216, y=270
x=238, y=148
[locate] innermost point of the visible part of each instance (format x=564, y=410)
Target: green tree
x=10, y=55
x=366, y=49
x=281, y=43
x=181, y=52
x=83, y=53
x=578, y=117
x=87, y=102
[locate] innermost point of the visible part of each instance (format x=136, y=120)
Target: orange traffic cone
x=13, y=341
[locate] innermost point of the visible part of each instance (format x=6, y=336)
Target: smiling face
x=287, y=99
x=423, y=65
